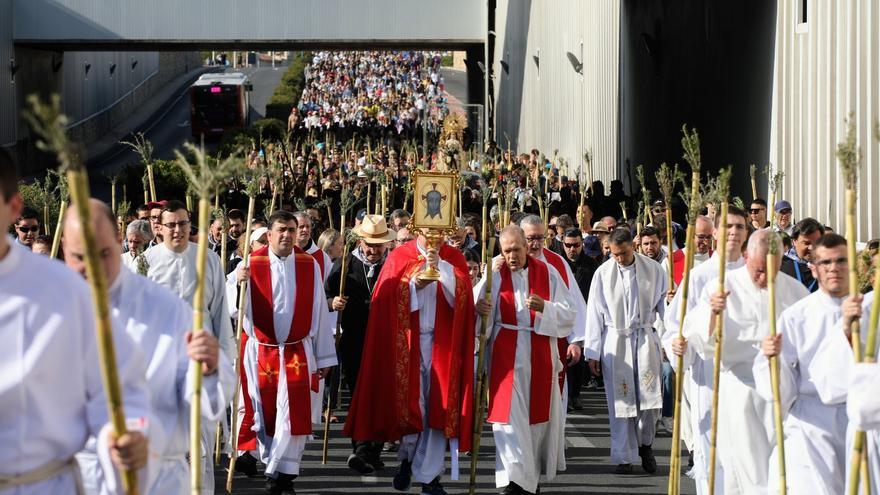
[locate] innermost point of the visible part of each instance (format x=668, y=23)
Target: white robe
x=699, y=379
x=51, y=393
x=283, y=452
x=744, y=457
x=632, y=380
x=318, y=397
x=522, y=450
x=177, y=272
x=815, y=432
x=427, y=450
x=160, y=335
x=838, y=379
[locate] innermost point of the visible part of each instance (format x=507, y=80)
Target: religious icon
x=435, y=195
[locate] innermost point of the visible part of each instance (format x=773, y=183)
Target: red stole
x=319, y=257
x=558, y=263
x=504, y=351
x=268, y=358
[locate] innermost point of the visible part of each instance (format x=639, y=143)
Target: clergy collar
x=274, y=256
x=173, y=252
x=828, y=298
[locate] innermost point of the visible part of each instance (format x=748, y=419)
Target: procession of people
x=322, y=298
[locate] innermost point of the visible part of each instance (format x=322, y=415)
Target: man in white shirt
x=138, y=234
x=164, y=338
x=172, y=265
x=52, y=396
x=815, y=432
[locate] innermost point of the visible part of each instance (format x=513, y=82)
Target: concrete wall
x=542, y=101
x=826, y=68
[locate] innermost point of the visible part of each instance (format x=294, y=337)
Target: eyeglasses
x=171, y=225
x=26, y=229
x=155, y=217
x=573, y=245
x=535, y=238
x=785, y=212
x=826, y=263
x=703, y=237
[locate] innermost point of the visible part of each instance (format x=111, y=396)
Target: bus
x=219, y=102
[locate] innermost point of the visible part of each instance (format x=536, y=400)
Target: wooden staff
x=479, y=390
x=242, y=298
x=343, y=271
x=666, y=178
x=145, y=182
x=752, y=170
x=204, y=179
x=690, y=143
x=723, y=184
x=49, y=123
x=113, y=194
x=849, y=157
x=772, y=261
x=64, y=193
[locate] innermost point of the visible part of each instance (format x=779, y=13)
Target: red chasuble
x=296, y=370
x=558, y=263
x=678, y=271
x=504, y=351
x=385, y=404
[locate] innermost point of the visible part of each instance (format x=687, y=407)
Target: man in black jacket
x=362, y=271
x=805, y=233
x=582, y=267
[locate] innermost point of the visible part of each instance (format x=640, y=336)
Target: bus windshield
x=216, y=106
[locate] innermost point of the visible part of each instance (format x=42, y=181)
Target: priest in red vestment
x=416, y=379
x=287, y=341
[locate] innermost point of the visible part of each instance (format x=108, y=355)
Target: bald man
x=165, y=339
x=52, y=396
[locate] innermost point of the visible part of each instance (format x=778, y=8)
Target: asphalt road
x=589, y=469
x=172, y=128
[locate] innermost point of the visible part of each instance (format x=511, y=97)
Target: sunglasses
x=573, y=245
x=32, y=228
x=755, y=211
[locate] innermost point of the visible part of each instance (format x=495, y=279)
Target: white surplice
x=161, y=336
x=815, y=432
x=51, y=394
x=744, y=457
x=839, y=380
x=624, y=302
x=427, y=450
x=698, y=379
x=524, y=451
x=177, y=272
x=318, y=397
x=283, y=452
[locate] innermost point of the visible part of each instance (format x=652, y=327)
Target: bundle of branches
x=204, y=180
x=144, y=148
x=50, y=125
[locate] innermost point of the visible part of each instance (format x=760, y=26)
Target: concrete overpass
x=265, y=24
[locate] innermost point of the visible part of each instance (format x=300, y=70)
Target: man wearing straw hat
x=164, y=338
x=363, y=267
x=287, y=340
x=744, y=458
x=815, y=432
x=423, y=386
x=49, y=331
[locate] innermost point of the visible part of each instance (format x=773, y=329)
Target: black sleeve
x=331, y=287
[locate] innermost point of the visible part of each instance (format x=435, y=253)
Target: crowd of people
x=584, y=296
x=379, y=92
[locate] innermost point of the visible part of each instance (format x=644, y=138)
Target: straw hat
x=600, y=227
x=374, y=230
